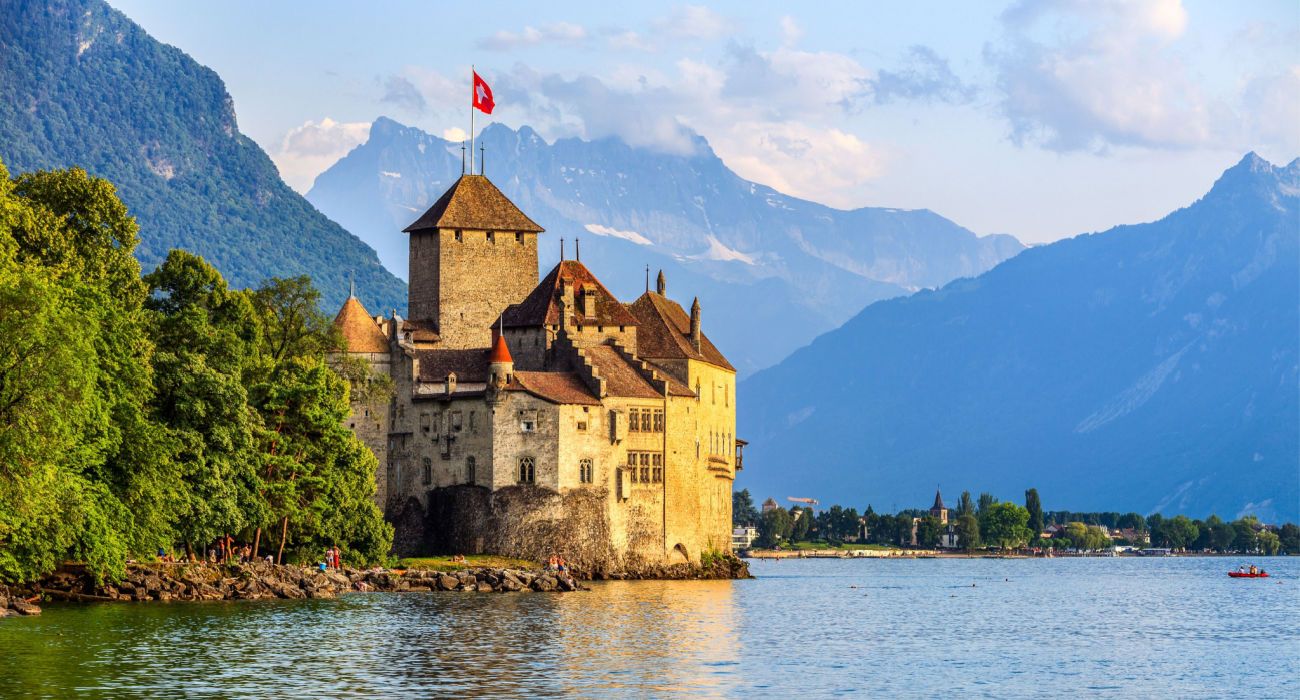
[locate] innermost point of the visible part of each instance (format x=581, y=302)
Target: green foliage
x=774, y=527
x=802, y=525
x=964, y=505
x=1035, y=508
x=138, y=413
x=928, y=531
x=968, y=531
x=1269, y=543
x=1179, y=532
x=1004, y=525
x=743, y=512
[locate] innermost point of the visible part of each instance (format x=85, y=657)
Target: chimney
x=695, y=324
x=661, y=285
x=589, y=301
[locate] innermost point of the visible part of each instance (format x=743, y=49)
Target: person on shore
x=338, y=558
x=561, y=565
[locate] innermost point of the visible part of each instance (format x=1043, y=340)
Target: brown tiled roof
x=469, y=365
x=358, y=329
x=542, y=306
x=556, y=387
x=473, y=202
x=664, y=332
x=621, y=379
x=423, y=331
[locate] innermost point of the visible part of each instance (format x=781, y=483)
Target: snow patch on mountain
x=616, y=233
x=720, y=252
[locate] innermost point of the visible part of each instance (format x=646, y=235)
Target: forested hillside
x=83, y=86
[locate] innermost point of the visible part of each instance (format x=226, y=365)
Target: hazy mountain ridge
x=84, y=86
x=730, y=241
x=1148, y=367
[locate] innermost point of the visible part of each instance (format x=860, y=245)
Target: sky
x=1039, y=119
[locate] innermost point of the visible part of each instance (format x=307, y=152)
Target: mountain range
x=81, y=85
x=771, y=271
x=1153, y=367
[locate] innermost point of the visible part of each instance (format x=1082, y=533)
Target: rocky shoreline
x=258, y=581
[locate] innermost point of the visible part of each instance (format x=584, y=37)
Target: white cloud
x=1077, y=75
x=554, y=33
x=308, y=150
x=455, y=134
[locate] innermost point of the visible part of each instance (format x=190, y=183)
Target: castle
x=529, y=418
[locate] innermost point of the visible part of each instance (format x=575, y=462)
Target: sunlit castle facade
x=530, y=418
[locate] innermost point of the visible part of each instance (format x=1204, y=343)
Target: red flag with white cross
x=482, y=95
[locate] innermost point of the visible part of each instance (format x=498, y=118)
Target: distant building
x=939, y=510
x=743, y=537
x=948, y=539
x=769, y=505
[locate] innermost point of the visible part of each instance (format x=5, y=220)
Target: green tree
x=774, y=527
x=206, y=333
x=1005, y=525
x=928, y=531
x=1246, y=541
x=902, y=529
x=1269, y=543
x=1289, y=538
x=1155, y=526
x=968, y=531
x=1179, y=531
x=964, y=505
x=1035, y=508
x=802, y=525
x=743, y=512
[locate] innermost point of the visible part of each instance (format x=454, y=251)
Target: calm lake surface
x=1027, y=628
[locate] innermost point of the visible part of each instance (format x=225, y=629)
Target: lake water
x=907, y=628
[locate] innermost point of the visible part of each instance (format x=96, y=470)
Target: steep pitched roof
x=422, y=331
x=469, y=365
x=556, y=387
x=542, y=306
x=664, y=332
x=500, y=353
x=473, y=202
x=938, y=502
x=621, y=379
x=358, y=329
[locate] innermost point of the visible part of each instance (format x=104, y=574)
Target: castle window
x=426, y=473
x=471, y=421
x=424, y=422
x=491, y=238
x=586, y=471
x=469, y=470
x=726, y=395
x=646, y=425
x=527, y=470
x=633, y=422
x=657, y=468
x=659, y=421
x=459, y=236
x=456, y=421
x=527, y=425
x=631, y=465
x=519, y=238
x=582, y=426
x=645, y=467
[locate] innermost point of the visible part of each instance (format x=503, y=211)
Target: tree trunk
x=257, y=541
x=189, y=551
x=284, y=533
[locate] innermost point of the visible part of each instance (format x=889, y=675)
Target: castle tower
x=473, y=253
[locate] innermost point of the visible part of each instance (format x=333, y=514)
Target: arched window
x=469, y=470
x=586, y=471
x=527, y=470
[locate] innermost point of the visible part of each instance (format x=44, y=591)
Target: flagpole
x=471, y=117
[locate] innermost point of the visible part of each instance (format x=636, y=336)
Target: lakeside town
x=987, y=527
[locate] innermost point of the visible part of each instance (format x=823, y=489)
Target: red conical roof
x=500, y=353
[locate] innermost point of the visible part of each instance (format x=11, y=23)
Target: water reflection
x=1118, y=628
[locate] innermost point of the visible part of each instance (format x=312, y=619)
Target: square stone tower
x=473, y=253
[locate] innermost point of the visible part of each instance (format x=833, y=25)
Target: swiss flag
x=482, y=95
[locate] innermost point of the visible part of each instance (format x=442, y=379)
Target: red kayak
x=1242, y=574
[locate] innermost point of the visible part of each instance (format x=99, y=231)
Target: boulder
x=447, y=583
x=545, y=583
x=23, y=607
